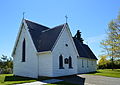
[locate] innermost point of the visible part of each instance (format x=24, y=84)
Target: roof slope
x=44, y=39
x=48, y=38
x=42, y=36
x=84, y=50
x=89, y=52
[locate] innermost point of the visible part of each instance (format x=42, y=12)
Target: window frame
x=70, y=62
x=61, y=62
x=24, y=50
x=82, y=64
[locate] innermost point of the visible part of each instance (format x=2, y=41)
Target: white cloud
x=95, y=39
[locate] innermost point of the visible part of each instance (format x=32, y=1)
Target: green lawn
x=9, y=79
x=108, y=72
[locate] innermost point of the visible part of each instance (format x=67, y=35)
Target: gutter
x=44, y=52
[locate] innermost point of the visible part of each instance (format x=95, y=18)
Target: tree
x=111, y=44
x=6, y=64
x=103, y=62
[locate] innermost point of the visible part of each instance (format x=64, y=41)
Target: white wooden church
x=52, y=52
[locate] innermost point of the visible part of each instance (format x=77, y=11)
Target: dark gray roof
x=84, y=50
x=44, y=39
x=48, y=38
x=42, y=36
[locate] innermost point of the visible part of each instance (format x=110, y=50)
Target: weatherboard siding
x=29, y=67
x=45, y=65
x=89, y=65
x=61, y=49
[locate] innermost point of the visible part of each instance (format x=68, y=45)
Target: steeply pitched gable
x=48, y=38
x=42, y=36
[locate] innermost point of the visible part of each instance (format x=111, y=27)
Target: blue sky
x=91, y=17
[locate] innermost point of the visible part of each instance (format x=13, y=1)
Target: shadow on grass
x=17, y=78
x=73, y=79
x=93, y=72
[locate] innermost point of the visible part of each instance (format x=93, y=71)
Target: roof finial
x=23, y=15
x=66, y=18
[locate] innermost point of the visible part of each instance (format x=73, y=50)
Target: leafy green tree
x=6, y=64
x=111, y=44
x=103, y=62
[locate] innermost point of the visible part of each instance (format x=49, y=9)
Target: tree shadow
x=16, y=78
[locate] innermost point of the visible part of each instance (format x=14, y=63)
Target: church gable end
x=64, y=54
x=24, y=54
x=50, y=52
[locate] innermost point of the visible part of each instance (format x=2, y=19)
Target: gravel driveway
x=92, y=80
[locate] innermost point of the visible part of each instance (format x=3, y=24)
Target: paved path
x=92, y=80
x=100, y=80
x=33, y=83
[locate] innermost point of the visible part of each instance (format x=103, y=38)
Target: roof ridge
x=36, y=23
x=58, y=26
x=46, y=30
x=52, y=28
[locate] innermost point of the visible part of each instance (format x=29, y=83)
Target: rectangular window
x=82, y=63
x=70, y=62
x=92, y=62
x=87, y=63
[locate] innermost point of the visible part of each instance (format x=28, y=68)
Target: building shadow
x=70, y=79
x=16, y=78
x=73, y=79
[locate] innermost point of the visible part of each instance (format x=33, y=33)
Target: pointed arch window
x=70, y=62
x=23, y=50
x=61, y=62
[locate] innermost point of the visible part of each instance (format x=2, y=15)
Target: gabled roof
x=48, y=38
x=84, y=50
x=43, y=37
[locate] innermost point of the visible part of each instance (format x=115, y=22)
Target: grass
x=107, y=72
x=9, y=79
